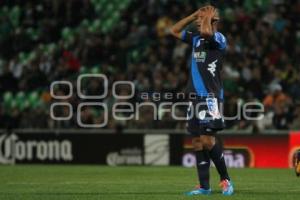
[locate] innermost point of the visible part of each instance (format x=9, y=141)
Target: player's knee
x=197, y=144
x=208, y=141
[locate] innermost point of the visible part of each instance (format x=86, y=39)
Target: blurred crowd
x=51, y=40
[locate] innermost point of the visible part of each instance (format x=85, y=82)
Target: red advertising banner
x=259, y=151
x=294, y=146
x=266, y=151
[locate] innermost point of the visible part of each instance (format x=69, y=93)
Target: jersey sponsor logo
x=200, y=56
x=212, y=67
x=213, y=110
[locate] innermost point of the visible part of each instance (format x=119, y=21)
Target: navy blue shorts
x=205, y=116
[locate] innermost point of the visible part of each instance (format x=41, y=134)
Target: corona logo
x=12, y=150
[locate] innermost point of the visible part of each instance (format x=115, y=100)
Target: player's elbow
x=174, y=32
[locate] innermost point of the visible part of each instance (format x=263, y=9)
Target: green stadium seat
x=52, y=46
x=25, y=104
x=99, y=9
x=83, y=70
x=5, y=10
x=13, y=104
x=20, y=96
x=85, y=23
x=15, y=16
x=94, y=2
x=97, y=24
x=23, y=57
x=7, y=97
x=95, y=70
x=38, y=104
x=66, y=33
x=33, y=98
x=123, y=5
x=32, y=55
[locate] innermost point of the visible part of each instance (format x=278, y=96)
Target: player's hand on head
x=208, y=11
x=205, y=20
x=211, y=12
x=199, y=13
x=196, y=14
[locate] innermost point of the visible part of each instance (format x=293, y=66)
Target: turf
x=145, y=183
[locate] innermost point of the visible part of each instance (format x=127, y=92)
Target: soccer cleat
x=227, y=187
x=198, y=191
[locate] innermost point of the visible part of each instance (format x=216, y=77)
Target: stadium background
x=128, y=40
x=46, y=41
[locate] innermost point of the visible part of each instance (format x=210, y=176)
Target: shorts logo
x=213, y=110
x=202, y=114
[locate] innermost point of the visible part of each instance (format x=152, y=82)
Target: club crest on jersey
x=200, y=56
x=213, y=110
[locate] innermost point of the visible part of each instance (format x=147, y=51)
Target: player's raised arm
x=177, y=30
x=207, y=28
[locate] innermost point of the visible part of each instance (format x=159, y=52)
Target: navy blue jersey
x=206, y=64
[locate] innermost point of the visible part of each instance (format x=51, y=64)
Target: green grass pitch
x=133, y=183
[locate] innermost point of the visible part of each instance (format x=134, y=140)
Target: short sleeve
x=220, y=40
x=187, y=36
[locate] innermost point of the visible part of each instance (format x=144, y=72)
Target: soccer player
x=208, y=46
